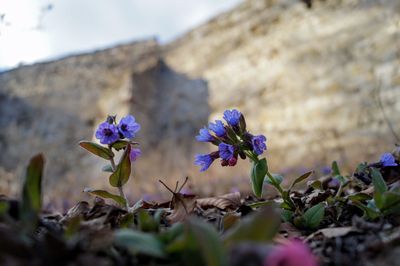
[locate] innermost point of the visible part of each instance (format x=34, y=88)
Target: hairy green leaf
x=208, y=242
x=370, y=213
x=335, y=169
x=314, y=215
x=300, y=179
x=97, y=149
x=258, y=172
x=107, y=195
x=120, y=144
x=359, y=197
x=378, y=181
x=32, y=192
x=258, y=227
x=123, y=171
x=137, y=242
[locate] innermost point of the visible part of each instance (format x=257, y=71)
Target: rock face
x=309, y=79
x=50, y=107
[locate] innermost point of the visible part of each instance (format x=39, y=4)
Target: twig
x=385, y=117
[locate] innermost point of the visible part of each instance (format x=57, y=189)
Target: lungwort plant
x=233, y=141
x=115, y=136
x=385, y=200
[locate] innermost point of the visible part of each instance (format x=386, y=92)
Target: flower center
x=107, y=132
x=124, y=127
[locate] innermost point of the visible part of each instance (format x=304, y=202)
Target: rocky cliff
x=309, y=79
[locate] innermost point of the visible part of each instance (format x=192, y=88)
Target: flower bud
x=224, y=163
x=232, y=161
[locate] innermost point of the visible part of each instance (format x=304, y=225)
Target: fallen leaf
x=227, y=201
x=182, y=205
x=334, y=232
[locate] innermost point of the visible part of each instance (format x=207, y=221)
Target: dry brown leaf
x=334, y=232
x=227, y=201
x=183, y=205
x=230, y=220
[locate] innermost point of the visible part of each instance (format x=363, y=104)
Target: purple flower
x=218, y=128
x=128, y=127
x=387, y=159
x=232, y=117
x=134, y=154
x=204, y=135
x=107, y=133
x=203, y=160
x=326, y=170
x=259, y=144
x=226, y=151
x=293, y=253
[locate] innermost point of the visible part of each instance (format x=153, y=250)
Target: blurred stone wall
x=309, y=79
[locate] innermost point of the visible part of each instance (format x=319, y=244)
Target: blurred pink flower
x=293, y=253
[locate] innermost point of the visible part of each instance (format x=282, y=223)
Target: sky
x=39, y=30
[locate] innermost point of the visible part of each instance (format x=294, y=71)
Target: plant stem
x=285, y=196
x=252, y=156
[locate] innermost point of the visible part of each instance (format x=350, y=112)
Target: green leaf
x=123, y=171
x=378, y=181
x=107, y=195
x=208, y=242
x=260, y=226
x=277, y=177
x=359, y=197
x=391, y=202
x=146, y=222
x=314, y=215
x=120, y=144
x=362, y=167
x=316, y=184
x=127, y=220
x=72, y=227
x=4, y=207
x=97, y=149
x=261, y=204
x=286, y=206
x=368, y=212
x=287, y=216
x=335, y=169
x=300, y=179
x=258, y=172
x=380, y=187
x=32, y=194
x=137, y=242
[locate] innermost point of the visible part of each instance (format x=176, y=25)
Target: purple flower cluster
x=232, y=139
x=110, y=131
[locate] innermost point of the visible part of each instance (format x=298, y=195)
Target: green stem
x=286, y=198
x=252, y=156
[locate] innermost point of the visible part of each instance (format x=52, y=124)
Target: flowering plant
x=115, y=136
x=233, y=141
